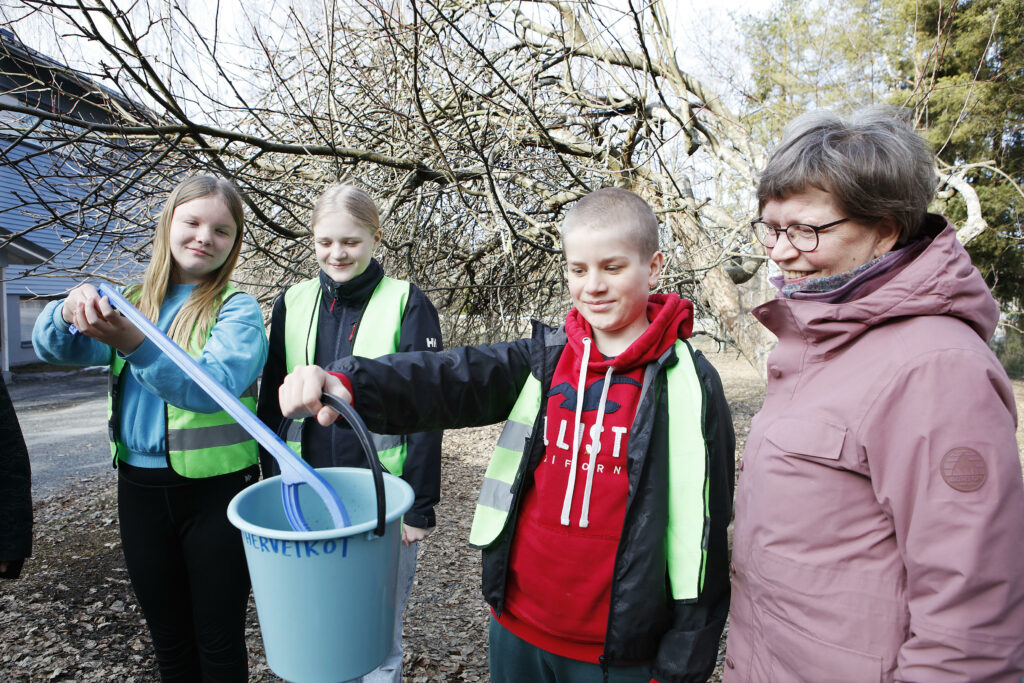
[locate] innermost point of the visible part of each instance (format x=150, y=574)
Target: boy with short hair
x=602, y=516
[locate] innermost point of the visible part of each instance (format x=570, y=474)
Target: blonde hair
x=200, y=310
x=351, y=201
x=619, y=209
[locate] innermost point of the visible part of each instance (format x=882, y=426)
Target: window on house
x=29, y=310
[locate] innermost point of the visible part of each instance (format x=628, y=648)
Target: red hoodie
x=562, y=556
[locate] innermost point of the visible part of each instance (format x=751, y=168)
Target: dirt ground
x=72, y=616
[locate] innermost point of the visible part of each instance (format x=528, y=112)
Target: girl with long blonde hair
x=180, y=459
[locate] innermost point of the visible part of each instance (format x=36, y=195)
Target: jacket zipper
x=652, y=396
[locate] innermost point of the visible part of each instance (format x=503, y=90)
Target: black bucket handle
x=365, y=440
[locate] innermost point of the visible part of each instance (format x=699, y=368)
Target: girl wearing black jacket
x=352, y=308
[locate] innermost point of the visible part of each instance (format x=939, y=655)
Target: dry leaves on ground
x=72, y=615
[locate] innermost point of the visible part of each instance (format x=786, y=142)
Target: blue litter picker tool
x=294, y=470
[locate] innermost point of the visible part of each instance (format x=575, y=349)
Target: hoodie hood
x=940, y=280
x=670, y=316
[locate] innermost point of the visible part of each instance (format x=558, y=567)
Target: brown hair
x=872, y=163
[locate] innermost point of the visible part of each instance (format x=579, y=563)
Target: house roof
x=40, y=188
x=43, y=83
x=21, y=250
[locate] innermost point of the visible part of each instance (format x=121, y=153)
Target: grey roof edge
x=22, y=251
x=19, y=51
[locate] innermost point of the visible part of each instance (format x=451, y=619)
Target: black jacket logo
x=592, y=395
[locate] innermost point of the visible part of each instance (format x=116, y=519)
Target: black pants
x=188, y=569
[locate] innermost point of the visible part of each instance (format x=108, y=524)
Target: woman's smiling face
x=840, y=249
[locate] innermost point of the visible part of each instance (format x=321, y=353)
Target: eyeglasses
x=802, y=237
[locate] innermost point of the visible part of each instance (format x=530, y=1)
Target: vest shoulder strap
x=301, y=315
x=379, y=330
x=381, y=326
x=686, y=538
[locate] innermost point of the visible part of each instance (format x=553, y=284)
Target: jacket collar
x=940, y=280
x=359, y=288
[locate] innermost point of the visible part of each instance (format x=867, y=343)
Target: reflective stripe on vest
x=503, y=469
x=198, y=444
x=377, y=337
x=686, y=536
x=202, y=444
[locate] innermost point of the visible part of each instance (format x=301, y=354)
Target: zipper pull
x=352, y=334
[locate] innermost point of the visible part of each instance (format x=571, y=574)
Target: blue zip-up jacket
x=233, y=355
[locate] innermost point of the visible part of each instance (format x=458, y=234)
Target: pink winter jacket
x=879, y=530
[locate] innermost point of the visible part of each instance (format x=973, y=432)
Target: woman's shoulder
x=921, y=336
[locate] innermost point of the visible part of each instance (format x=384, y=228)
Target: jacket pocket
x=808, y=437
x=798, y=657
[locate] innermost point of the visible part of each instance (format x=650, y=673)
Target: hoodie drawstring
x=580, y=389
x=596, y=448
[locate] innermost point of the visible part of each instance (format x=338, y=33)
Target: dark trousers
x=513, y=660
x=187, y=566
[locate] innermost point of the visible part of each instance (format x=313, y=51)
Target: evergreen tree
x=966, y=81
x=959, y=64
x=823, y=54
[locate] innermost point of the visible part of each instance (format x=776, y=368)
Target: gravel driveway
x=63, y=415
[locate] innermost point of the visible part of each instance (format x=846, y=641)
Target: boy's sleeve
x=54, y=343
x=689, y=650
x=267, y=408
x=418, y=391
x=421, y=331
x=233, y=355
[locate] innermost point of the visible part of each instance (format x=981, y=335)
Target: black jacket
x=341, y=312
x=15, y=490
x=471, y=386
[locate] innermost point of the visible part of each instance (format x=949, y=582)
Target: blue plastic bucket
x=325, y=598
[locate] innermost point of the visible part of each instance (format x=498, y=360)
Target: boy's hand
x=95, y=317
x=299, y=395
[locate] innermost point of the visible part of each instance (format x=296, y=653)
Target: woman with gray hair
x=880, y=506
